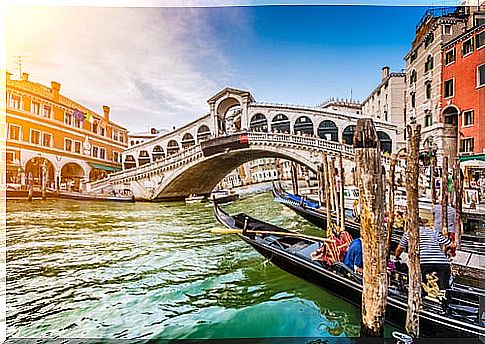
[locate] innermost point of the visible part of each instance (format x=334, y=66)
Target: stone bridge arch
x=202, y=176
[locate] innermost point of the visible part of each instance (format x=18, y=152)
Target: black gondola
x=313, y=213
x=459, y=318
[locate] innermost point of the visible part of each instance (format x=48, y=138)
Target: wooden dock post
x=372, y=199
x=294, y=178
x=458, y=180
x=412, y=226
x=328, y=204
x=333, y=191
x=320, y=184
x=444, y=197
x=342, y=196
x=433, y=180
x=390, y=217
x=44, y=175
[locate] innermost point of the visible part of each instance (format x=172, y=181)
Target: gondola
x=459, y=318
x=312, y=212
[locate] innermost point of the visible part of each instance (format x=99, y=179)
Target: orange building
x=51, y=135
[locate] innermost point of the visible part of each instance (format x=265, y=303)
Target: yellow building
x=50, y=132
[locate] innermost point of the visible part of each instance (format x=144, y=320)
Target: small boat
x=223, y=196
x=192, y=199
x=461, y=317
x=89, y=196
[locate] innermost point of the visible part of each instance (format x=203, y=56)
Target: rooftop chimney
x=24, y=77
x=106, y=113
x=385, y=72
x=55, y=87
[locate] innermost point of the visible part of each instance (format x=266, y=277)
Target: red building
x=463, y=89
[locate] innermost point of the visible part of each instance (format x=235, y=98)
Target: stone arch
x=328, y=130
x=259, y=122
x=172, y=147
x=386, y=142
x=348, y=135
x=229, y=115
x=203, y=133
x=158, y=153
x=34, y=167
x=303, y=125
x=450, y=115
x=143, y=158
x=129, y=162
x=280, y=123
x=188, y=141
x=71, y=175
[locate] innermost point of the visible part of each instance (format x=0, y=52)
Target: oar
x=291, y=234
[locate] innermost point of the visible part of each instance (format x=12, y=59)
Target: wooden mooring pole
x=342, y=196
x=328, y=204
x=458, y=180
x=333, y=190
x=372, y=199
x=433, y=180
x=390, y=216
x=412, y=226
x=294, y=178
x=444, y=197
x=321, y=182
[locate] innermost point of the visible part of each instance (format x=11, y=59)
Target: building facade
x=50, y=135
x=424, y=81
x=386, y=102
x=463, y=93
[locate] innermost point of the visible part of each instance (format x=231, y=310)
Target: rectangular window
x=116, y=156
x=68, y=145
x=68, y=118
x=115, y=135
x=14, y=132
x=102, y=153
x=428, y=120
x=15, y=101
x=467, y=47
x=78, y=123
x=467, y=145
x=46, y=139
x=95, y=151
x=122, y=137
x=34, y=137
x=46, y=111
x=450, y=56
x=77, y=147
x=102, y=131
x=480, y=39
x=94, y=128
x=414, y=56
x=9, y=157
x=468, y=117
x=449, y=88
x=428, y=40
x=481, y=75
x=35, y=108
x=447, y=29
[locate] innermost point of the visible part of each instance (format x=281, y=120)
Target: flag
x=79, y=115
x=90, y=117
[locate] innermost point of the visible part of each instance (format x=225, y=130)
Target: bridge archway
x=172, y=147
x=348, y=135
x=158, y=153
x=129, y=162
x=328, y=130
x=188, y=141
x=143, y=158
x=280, y=123
x=202, y=176
x=203, y=133
x=303, y=125
x=386, y=142
x=259, y=122
x=229, y=115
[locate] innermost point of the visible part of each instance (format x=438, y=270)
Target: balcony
x=442, y=11
x=428, y=76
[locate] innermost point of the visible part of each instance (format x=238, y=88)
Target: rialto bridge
x=195, y=157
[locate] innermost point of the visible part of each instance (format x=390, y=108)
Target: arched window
x=143, y=158
x=327, y=130
x=429, y=64
x=386, y=142
x=259, y=123
x=280, y=123
x=450, y=115
x=413, y=77
x=158, y=153
x=303, y=125
x=428, y=90
x=172, y=147
x=348, y=135
x=203, y=133
x=187, y=141
x=129, y=162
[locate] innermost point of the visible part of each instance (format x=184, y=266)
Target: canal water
x=154, y=270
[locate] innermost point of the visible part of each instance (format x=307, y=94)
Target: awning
x=105, y=167
x=480, y=157
x=473, y=163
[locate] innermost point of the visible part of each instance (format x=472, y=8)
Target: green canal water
x=153, y=270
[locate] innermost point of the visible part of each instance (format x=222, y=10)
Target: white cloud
x=153, y=66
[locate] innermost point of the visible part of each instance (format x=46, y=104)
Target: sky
x=157, y=66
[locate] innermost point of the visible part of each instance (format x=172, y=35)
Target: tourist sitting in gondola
x=433, y=260
x=353, y=257
x=334, y=248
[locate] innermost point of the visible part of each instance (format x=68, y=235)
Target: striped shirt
x=438, y=222
x=429, y=246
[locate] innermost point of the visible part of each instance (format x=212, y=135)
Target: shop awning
x=105, y=167
x=480, y=157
